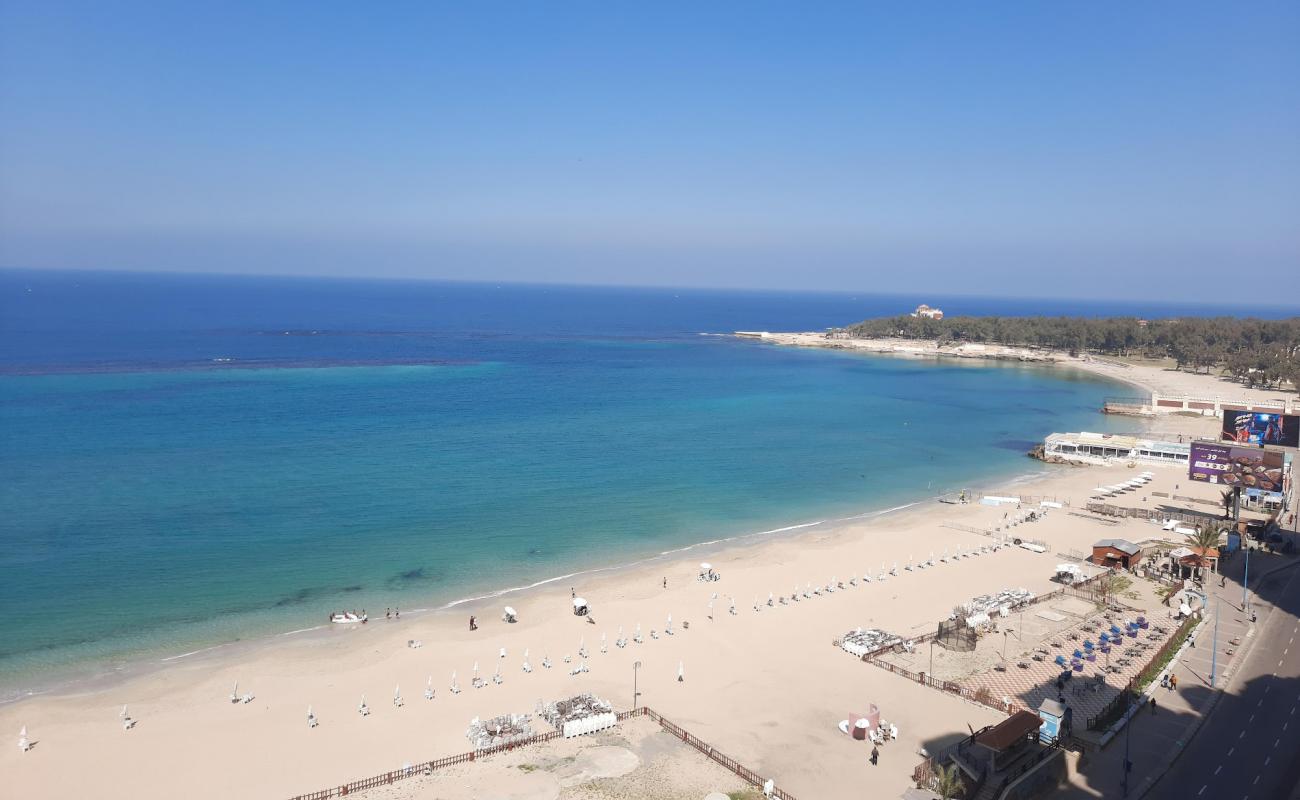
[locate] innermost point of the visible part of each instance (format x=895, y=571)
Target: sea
x=188, y=461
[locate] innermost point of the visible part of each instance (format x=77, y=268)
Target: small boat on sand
x=345, y=617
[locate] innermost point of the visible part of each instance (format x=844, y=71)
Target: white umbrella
x=123, y=714
x=681, y=671
x=397, y=694
x=475, y=670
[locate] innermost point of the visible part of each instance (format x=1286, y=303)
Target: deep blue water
x=398, y=443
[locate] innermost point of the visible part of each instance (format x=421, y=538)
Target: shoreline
x=1149, y=379
x=226, y=653
x=100, y=676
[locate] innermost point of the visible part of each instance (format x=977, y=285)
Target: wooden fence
x=428, y=767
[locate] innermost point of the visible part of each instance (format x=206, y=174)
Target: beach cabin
x=1009, y=760
x=1117, y=553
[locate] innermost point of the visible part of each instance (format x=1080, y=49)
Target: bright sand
x=765, y=687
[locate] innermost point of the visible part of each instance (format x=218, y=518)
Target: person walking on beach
x=472, y=624
x=665, y=583
x=875, y=755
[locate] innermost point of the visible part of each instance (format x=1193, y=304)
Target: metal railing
x=428, y=767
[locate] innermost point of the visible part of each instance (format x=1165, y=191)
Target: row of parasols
x=1135, y=483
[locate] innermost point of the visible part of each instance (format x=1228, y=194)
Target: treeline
x=1255, y=351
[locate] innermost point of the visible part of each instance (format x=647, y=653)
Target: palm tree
x=1204, y=539
x=948, y=782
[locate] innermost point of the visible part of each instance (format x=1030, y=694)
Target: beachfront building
x=1102, y=448
x=1009, y=760
x=929, y=313
x=1117, y=553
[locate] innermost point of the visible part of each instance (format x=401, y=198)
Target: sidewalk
x=1155, y=740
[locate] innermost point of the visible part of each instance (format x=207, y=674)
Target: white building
x=1097, y=448
x=929, y=313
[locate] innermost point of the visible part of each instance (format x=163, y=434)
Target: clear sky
x=1037, y=148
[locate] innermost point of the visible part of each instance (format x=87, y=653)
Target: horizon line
x=634, y=286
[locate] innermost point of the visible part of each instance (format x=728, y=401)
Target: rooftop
x=1122, y=545
x=1009, y=731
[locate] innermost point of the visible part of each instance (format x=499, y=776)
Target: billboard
x=1246, y=467
x=1254, y=427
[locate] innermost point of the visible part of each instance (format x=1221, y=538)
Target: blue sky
x=992, y=148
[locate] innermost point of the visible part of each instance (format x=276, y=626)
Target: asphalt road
x=1249, y=748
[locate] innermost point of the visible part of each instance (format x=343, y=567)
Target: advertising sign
x=1253, y=427
x=1246, y=467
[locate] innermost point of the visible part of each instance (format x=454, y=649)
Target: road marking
x=1202, y=791
x=1266, y=760
x=1242, y=735
x=1252, y=718
x=1230, y=750
x=1284, y=724
x=1260, y=703
x=1275, y=741
x=1216, y=769
x=1279, y=663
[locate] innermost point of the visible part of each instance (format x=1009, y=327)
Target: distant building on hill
x=925, y=311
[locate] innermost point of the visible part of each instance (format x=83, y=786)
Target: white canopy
x=578, y=602
x=706, y=566
x=1185, y=609
x=511, y=611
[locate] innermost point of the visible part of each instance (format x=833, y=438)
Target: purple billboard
x=1247, y=467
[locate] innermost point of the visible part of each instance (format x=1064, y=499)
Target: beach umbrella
x=397, y=694
x=23, y=744
x=602, y=642
x=681, y=671
x=497, y=675
x=475, y=670
x=123, y=715
x=733, y=604
x=770, y=598
x=710, y=609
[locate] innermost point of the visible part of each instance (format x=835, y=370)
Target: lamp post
x=1245, y=581
x=1128, y=765
x=931, y=672
x=636, y=665
x=1214, y=651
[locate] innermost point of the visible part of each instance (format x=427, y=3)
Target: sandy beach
x=1146, y=377
x=766, y=686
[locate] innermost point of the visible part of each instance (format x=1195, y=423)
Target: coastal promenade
x=1222, y=741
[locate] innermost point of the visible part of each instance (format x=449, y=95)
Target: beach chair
x=363, y=709
x=247, y=697
x=546, y=662
x=311, y=720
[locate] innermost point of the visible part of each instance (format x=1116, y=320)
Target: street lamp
x=1245, y=581
x=636, y=665
x=1214, y=651
x=931, y=672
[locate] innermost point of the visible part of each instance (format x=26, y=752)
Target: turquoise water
x=151, y=508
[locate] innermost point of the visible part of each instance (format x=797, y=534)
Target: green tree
x=948, y=782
